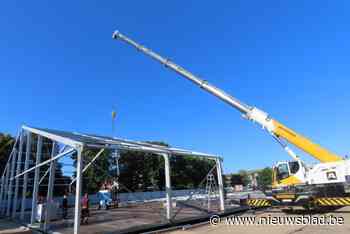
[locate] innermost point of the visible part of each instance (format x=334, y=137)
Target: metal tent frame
x=76, y=142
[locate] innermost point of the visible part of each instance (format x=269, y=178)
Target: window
x=282, y=171
x=294, y=167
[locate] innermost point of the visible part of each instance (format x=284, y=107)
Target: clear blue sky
x=60, y=69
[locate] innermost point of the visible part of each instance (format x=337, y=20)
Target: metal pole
x=77, y=208
x=50, y=187
x=7, y=181
x=18, y=170
x=93, y=160
x=4, y=181
x=36, y=180
x=46, y=162
x=88, y=165
x=167, y=186
x=2, y=192
x=12, y=152
x=221, y=185
x=6, y=187
x=43, y=177
x=242, y=107
x=7, y=176
x=25, y=179
x=10, y=185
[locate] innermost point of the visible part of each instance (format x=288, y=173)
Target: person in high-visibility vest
x=85, y=209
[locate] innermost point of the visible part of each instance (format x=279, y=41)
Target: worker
x=85, y=209
x=65, y=206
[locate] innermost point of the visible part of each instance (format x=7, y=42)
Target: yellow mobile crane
x=294, y=183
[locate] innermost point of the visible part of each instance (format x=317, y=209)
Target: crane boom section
x=251, y=113
x=188, y=75
x=304, y=144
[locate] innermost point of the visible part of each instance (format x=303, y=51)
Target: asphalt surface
x=224, y=228
x=9, y=227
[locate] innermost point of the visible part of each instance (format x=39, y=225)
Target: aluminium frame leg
x=10, y=184
x=6, y=186
x=25, y=176
x=18, y=170
x=2, y=191
x=77, y=207
x=36, y=180
x=220, y=184
x=50, y=187
x=168, y=189
x=7, y=177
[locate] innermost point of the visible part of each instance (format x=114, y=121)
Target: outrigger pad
x=332, y=201
x=259, y=202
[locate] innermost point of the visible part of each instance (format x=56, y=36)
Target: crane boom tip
x=115, y=34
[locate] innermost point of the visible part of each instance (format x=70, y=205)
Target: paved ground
x=9, y=227
x=270, y=229
x=133, y=216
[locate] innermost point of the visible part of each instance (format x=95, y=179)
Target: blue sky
x=60, y=69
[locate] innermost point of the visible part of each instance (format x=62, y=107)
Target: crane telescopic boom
x=254, y=114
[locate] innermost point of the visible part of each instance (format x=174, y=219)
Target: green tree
x=144, y=171
x=264, y=178
x=188, y=171
x=236, y=179
x=245, y=177
x=6, y=144
x=97, y=173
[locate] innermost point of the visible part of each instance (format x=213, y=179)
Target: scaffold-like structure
x=12, y=203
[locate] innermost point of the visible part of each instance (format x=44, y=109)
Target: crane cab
x=288, y=173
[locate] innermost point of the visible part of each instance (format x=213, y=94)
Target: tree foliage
x=188, y=171
x=264, y=177
x=97, y=174
x=245, y=177
x=6, y=144
x=141, y=171
x=236, y=179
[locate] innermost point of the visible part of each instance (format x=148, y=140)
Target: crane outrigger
x=293, y=181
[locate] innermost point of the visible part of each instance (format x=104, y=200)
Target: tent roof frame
x=79, y=140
